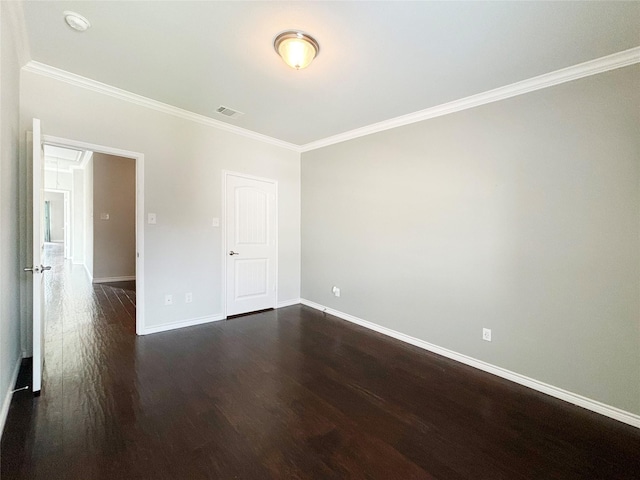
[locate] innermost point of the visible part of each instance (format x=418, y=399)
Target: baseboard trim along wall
x=9, y=395
x=182, y=324
x=200, y=320
x=288, y=303
x=584, y=402
x=113, y=279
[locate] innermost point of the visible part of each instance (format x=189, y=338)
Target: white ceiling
x=61, y=158
x=378, y=60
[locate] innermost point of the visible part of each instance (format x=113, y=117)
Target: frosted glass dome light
x=297, y=49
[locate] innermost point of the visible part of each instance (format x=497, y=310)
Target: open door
x=38, y=268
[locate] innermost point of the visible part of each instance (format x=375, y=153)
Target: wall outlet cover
x=486, y=334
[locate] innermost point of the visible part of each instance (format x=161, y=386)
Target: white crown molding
x=18, y=27
x=574, y=398
x=592, y=67
x=99, y=87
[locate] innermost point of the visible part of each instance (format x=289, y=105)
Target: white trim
x=99, y=87
x=592, y=67
x=114, y=279
x=9, y=395
x=139, y=159
x=574, y=398
x=182, y=324
x=585, y=69
x=288, y=303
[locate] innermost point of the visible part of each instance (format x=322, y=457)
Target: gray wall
x=184, y=161
x=56, y=200
x=520, y=216
x=114, y=193
x=10, y=267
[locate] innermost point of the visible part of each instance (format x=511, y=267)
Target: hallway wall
x=114, y=238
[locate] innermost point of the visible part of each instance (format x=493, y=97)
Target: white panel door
x=251, y=244
x=37, y=267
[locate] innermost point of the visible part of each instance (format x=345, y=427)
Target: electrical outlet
x=168, y=299
x=188, y=297
x=336, y=291
x=486, y=334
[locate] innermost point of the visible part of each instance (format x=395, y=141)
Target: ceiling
x=62, y=158
x=377, y=61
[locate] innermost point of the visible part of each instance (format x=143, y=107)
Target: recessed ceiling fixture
x=76, y=21
x=296, y=48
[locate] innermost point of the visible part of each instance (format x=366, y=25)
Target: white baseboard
x=182, y=324
x=9, y=395
x=113, y=279
x=288, y=303
x=574, y=398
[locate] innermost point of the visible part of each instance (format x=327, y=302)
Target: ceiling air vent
x=227, y=112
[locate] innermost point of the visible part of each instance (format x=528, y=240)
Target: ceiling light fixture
x=296, y=48
x=76, y=21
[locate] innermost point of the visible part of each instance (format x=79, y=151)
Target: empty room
x=313, y=240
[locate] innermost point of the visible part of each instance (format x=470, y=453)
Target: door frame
x=67, y=220
x=139, y=159
x=223, y=232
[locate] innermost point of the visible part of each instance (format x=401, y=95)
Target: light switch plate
x=151, y=218
x=216, y=222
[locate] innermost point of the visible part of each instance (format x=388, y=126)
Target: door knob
x=37, y=269
x=233, y=253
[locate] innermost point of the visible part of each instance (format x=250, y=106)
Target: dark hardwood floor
x=289, y=393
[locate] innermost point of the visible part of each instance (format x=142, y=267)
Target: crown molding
x=592, y=67
x=99, y=87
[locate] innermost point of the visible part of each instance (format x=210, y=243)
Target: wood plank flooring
x=285, y=394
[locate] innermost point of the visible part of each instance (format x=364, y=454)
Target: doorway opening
x=105, y=205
